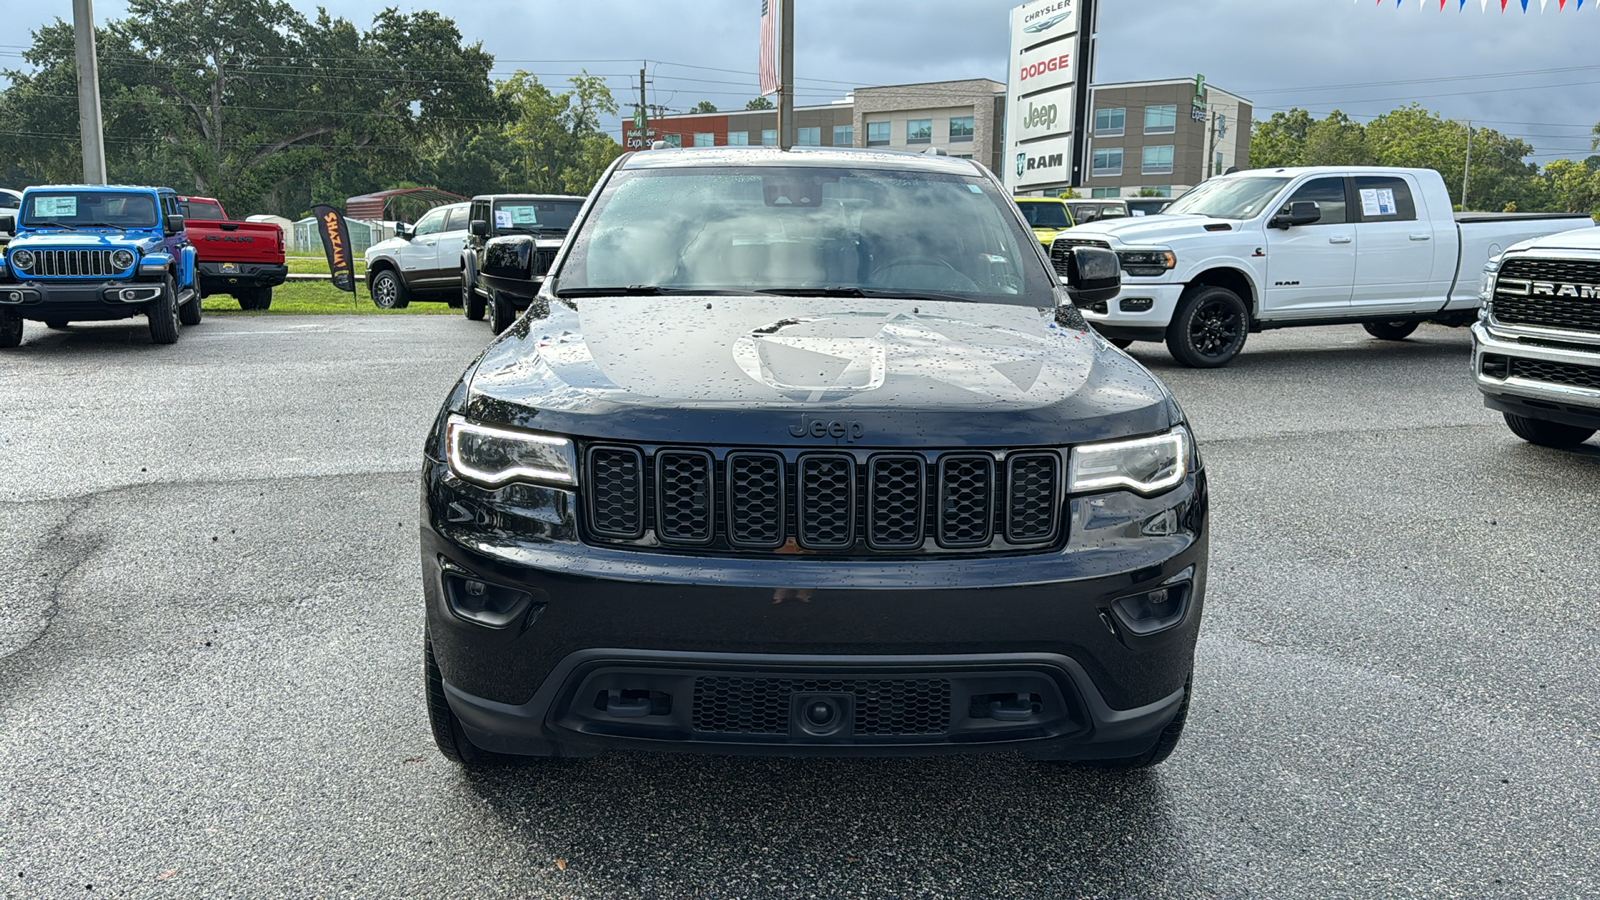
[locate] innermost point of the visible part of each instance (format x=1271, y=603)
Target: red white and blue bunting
x=1561, y=5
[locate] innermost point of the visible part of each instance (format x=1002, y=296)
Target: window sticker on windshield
x=502, y=218
x=51, y=207
x=975, y=189
x=1378, y=202
x=524, y=215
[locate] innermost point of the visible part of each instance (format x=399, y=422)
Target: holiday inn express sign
x=1041, y=83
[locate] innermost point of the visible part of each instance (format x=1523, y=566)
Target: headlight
x=492, y=456
x=22, y=260
x=1147, y=465
x=1486, y=280
x=122, y=259
x=1147, y=263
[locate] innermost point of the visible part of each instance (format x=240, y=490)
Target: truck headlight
x=1486, y=280
x=1147, y=465
x=491, y=456
x=1147, y=263
x=122, y=259
x=21, y=260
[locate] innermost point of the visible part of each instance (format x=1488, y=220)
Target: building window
x=1103, y=193
x=769, y=137
x=1160, y=119
x=961, y=156
x=705, y=139
x=877, y=134
x=1107, y=162
x=961, y=129
x=738, y=139
x=919, y=131
x=844, y=135
x=808, y=137
x=1160, y=190
x=673, y=140
x=1218, y=170
x=1109, y=122
x=1156, y=161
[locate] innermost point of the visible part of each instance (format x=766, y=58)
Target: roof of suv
x=527, y=197
x=820, y=157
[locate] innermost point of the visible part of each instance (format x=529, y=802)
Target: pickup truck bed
x=243, y=259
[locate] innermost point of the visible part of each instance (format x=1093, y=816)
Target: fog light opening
x=128, y=294
x=1152, y=611
x=1496, y=366
x=1136, y=304
x=484, y=603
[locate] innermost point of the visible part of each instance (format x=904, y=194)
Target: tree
x=704, y=107
x=1571, y=186
x=556, y=138
x=1069, y=194
x=1279, y=140
x=759, y=103
x=1413, y=136
x=1336, y=141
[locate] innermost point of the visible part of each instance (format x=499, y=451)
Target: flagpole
x=786, y=130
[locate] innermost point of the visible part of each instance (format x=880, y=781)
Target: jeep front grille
x=1543, y=310
x=73, y=264
x=836, y=503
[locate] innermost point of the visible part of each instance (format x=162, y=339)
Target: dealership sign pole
x=1047, y=91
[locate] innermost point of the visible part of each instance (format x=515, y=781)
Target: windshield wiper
x=854, y=291
x=647, y=290
x=52, y=225
x=107, y=225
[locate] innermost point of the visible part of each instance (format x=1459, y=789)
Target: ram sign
x=1041, y=86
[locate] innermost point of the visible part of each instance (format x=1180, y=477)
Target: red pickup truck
x=244, y=259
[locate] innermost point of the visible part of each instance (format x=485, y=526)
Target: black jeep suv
x=810, y=452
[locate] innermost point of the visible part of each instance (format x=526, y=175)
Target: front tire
x=1547, y=434
x=10, y=330
x=472, y=305
x=388, y=291
x=163, y=314
x=1209, y=329
x=501, y=312
x=448, y=734
x=1390, y=331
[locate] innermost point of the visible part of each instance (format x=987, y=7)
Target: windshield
x=1228, y=198
x=1045, y=215
x=203, y=210
x=89, y=208
x=806, y=228
x=535, y=215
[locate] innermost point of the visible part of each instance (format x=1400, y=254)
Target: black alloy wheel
x=1547, y=434
x=163, y=314
x=1390, y=331
x=10, y=330
x=1209, y=329
x=387, y=290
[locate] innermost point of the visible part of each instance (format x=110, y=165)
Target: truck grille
x=1061, y=246
x=839, y=503
x=1565, y=313
x=73, y=264
x=1556, y=373
x=541, y=261
x=883, y=706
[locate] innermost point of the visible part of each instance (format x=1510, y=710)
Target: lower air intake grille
x=883, y=706
x=1556, y=373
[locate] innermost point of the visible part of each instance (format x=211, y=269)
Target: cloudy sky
x=1532, y=75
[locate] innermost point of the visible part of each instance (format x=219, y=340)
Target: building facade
x=963, y=118
x=1150, y=136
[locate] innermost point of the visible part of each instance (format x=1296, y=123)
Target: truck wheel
x=1390, y=331
x=190, y=313
x=447, y=731
x=388, y=291
x=501, y=312
x=1547, y=434
x=263, y=299
x=1209, y=329
x=471, y=303
x=163, y=314
x=10, y=330
x=56, y=323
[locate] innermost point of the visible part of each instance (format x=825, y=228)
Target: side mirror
x=174, y=224
x=8, y=224
x=403, y=231
x=1300, y=212
x=1092, y=276
x=479, y=228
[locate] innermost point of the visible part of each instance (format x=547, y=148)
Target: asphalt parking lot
x=210, y=638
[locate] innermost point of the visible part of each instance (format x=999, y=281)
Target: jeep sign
x=1042, y=92
x=1041, y=115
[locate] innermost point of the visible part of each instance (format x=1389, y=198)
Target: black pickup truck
x=810, y=452
x=511, y=239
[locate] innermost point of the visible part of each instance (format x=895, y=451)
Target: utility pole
x=786, y=74
x=1466, y=170
x=91, y=132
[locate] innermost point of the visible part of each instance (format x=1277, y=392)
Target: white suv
x=421, y=262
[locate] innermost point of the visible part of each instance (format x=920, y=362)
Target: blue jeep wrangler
x=96, y=252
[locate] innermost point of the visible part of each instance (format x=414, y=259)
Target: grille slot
x=895, y=503
x=827, y=506
x=756, y=511
x=966, y=500
x=1062, y=246
x=684, y=507
x=542, y=259
x=883, y=706
x=616, y=494
x=1565, y=313
x=1031, y=505
x=1556, y=373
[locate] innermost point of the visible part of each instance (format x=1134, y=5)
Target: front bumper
x=609, y=648
x=220, y=277
x=1120, y=320
x=1510, y=385
x=79, y=301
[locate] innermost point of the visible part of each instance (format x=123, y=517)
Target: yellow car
x=1048, y=216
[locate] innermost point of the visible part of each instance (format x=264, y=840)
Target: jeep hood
x=1141, y=231
x=721, y=369
x=84, y=240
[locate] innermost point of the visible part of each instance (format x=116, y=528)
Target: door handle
x=1421, y=237
x=1338, y=240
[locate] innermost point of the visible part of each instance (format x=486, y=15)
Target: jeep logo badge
x=848, y=430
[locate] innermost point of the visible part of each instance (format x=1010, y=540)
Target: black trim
x=1543, y=410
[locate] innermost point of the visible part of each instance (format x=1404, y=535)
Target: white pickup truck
x=1277, y=248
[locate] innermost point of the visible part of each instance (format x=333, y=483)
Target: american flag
x=769, y=46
